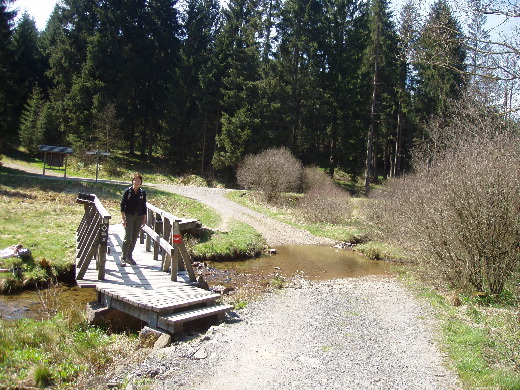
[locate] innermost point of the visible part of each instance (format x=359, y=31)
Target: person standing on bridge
x=133, y=212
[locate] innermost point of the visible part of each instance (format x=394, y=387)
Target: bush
x=323, y=200
x=271, y=173
x=314, y=177
x=459, y=211
x=43, y=376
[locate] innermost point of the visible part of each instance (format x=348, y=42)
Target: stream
x=308, y=261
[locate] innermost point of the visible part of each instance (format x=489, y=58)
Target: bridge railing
x=164, y=230
x=92, y=235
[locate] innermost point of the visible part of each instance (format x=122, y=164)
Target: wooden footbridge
x=160, y=289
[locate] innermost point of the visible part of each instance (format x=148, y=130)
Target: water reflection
x=313, y=262
x=27, y=304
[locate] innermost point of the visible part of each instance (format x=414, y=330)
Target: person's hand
x=124, y=222
x=144, y=221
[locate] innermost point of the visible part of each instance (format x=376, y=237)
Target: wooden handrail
x=159, y=228
x=185, y=223
x=92, y=235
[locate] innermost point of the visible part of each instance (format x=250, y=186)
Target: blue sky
x=41, y=9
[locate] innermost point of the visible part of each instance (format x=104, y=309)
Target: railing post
x=176, y=240
x=92, y=235
x=167, y=229
x=102, y=248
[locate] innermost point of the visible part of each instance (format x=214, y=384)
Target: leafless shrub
x=460, y=211
x=49, y=299
x=314, y=177
x=271, y=172
x=327, y=204
x=323, y=200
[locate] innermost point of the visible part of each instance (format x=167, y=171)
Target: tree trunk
x=397, y=156
x=371, y=131
x=205, y=126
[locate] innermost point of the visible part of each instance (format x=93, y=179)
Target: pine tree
x=239, y=53
x=302, y=68
x=28, y=63
x=31, y=135
x=382, y=59
x=7, y=88
x=440, y=63
x=344, y=60
x=195, y=91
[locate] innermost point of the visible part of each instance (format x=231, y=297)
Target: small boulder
x=163, y=341
x=148, y=337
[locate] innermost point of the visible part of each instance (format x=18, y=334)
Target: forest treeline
x=343, y=84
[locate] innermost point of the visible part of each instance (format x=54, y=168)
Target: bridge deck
x=146, y=273
x=146, y=292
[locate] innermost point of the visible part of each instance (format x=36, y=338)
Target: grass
x=119, y=166
x=284, y=212
x=57, y=352
x=241, y=241
x=355, y=231
x=481, y=340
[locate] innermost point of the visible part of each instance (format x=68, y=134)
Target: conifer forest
x=343, y=84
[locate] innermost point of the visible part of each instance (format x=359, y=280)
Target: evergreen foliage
x=441, y=66
x=31, y=135
x=8, y=122
x=336, y=82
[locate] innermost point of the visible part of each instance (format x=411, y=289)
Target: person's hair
x=137, y=176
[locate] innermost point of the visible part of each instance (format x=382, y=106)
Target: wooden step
x=174, y=322
x=163, y=300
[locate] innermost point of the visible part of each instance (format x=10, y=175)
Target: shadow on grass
x=23, y=181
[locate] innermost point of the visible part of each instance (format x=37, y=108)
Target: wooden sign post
x=98, y=153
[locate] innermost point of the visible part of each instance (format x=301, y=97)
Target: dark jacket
x=132, y=202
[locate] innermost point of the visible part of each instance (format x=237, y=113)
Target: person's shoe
x=123, y=262
x=130, y=261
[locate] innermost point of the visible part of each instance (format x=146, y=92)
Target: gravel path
x=274, y=232
x=359, y=333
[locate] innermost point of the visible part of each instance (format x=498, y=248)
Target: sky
x=40, y=10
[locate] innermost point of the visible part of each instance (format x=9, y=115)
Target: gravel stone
x=358, y=333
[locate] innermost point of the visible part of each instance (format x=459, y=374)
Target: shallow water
x=27, y=304
x=312, y=262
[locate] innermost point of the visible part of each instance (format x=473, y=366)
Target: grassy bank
x=355, y=231
x=481, y=337
x=62, y=352
x=43, y=216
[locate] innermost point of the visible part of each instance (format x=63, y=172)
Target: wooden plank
x=173, y=323
x=161, y=300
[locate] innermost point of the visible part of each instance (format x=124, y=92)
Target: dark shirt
x=132, y=202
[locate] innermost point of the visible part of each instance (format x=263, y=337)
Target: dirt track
x=361, y=333
x=275, y=232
